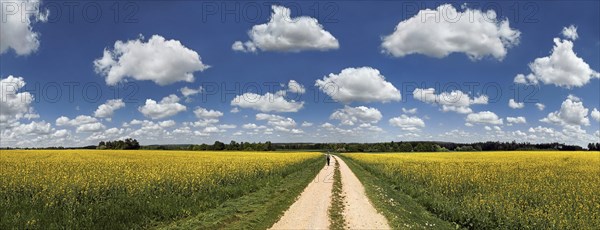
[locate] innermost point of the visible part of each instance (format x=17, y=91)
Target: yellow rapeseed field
x=491, y=190
x=124, y=188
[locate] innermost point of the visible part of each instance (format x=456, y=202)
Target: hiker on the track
x=328, y=159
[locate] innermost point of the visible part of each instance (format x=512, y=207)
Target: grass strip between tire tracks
x=336, y=210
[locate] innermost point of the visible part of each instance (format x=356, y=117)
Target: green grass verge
x=257, y=210
x=336, y=210
x=401, y=211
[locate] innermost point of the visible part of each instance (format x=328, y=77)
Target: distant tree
x=594, y=146
x=219, y=145
x=440, y=148
x=257, y=146
x=405, y=147
x=423, y=147
x=119, y=144
x=232, y=146
x=466, y=148
x=203, y=147
x=128, y=143
x=101, y=145
x=269, y=146
x=135, y=144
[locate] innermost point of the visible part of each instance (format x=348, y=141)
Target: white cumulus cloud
x=14, y=105
x=79, y=120
x=356, y=115
x=253, y=126
x=37, y=134
x=186, y=92
x=91, y=127
x=167, y=107
x=562, y=68
x=407, y=123
x=571, y=113
x=82, y=123
x=445, y=30
x=295, y=87
x=34, y=128
x=307, y=124
x=107, y=109
x=364, y=84
x=167, y=123
x=515, y=105
x=327, y=126
x=16, y=26
x=455, y=101
x=276, y=120
x=267, y=103
x=286, y=34
x=202, y=113
x=596, y=114
x=279, y=123
x=540, y=106
x=516, y=120
x=409, y=111
x=485, y=117
x=159, y=60
x=570, y=32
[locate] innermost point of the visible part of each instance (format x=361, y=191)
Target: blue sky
x=375, y=56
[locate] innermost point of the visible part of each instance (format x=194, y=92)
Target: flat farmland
x=118, y=189
x=491, y=190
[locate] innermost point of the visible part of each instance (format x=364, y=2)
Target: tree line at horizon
x=411, y=146
x=402, y=146
x=128, y=143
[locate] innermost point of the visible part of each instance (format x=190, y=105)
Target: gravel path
x=358, y=211
x=310, y=210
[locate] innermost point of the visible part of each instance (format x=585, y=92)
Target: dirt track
x=310, y=210
x=359, y=212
